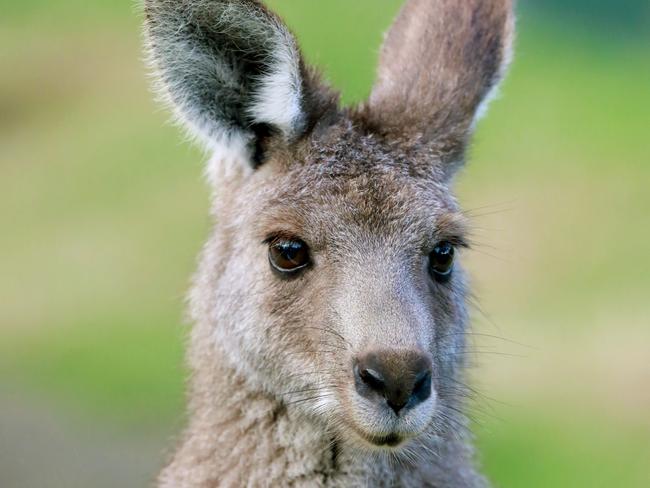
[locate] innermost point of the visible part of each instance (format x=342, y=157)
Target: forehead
x=356, y=186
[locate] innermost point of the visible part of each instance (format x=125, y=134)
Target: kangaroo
x=329, y=308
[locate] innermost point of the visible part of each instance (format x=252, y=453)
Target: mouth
x=392, y=440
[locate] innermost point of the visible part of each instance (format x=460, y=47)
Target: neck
x=238, y=436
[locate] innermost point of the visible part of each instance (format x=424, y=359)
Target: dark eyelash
x=457, y=241
x=279, y=237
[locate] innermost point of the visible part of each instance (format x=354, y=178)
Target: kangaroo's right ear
x=233, y=74
x=440, y=63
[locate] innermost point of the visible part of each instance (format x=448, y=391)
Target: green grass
x=587, y=452
x=128, y=374
x=105, y=212
x=69, y=14
x=347, y=55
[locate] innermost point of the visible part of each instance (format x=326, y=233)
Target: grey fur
x=272, y=400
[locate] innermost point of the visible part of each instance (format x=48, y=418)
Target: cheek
x=450, y=338
x=449, y=309
x=234, y=306
x=449, y=300
x=295, y=331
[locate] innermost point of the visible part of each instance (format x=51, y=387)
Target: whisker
x=312, y=398
x=488, y=336
x=307, y=373
x=469, y=352
x=331, y=331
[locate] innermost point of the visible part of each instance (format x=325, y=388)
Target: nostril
x=369, y=382
x=422, y=386
x=373, y=379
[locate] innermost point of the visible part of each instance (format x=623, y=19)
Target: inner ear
x=233, y=74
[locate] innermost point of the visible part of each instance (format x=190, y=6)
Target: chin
x=385, y=432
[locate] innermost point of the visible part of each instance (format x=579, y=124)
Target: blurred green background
x=104, y=210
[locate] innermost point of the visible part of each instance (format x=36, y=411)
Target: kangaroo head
x=332, y=279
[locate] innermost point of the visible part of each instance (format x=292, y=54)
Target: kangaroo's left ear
x=440, y=64
x=233, y=74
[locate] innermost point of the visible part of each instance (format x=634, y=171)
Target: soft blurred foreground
x=104, y=211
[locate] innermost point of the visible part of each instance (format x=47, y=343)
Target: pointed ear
x=232, y=73
x=440, y=63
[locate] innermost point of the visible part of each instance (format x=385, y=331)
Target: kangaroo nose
x=400, y=378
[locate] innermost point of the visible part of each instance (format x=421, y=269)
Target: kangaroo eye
x=289, y=256
x=442, y=261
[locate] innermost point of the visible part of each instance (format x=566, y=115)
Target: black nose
x=401, y=378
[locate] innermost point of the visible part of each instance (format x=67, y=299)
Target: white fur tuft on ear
x=495, y=91
x=278, y=100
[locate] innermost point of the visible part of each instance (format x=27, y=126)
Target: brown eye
x=289, y=256
x=442, y=261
